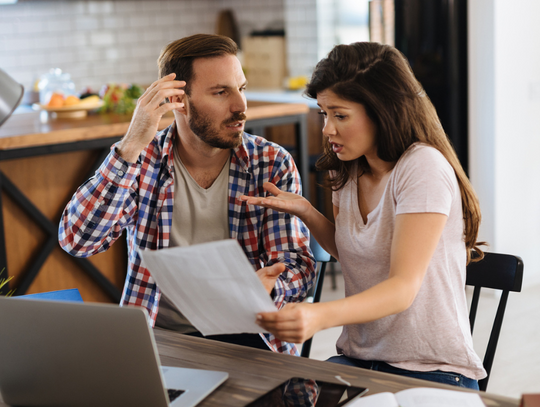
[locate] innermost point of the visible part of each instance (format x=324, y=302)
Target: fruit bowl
x=76, y=111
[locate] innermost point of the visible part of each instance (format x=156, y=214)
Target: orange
x=71, y=100
x=56, y=100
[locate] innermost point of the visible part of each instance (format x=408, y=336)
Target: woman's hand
x=295, y=322
x=281, y=201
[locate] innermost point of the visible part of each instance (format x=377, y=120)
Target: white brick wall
x=105, y=41
x=302, y=36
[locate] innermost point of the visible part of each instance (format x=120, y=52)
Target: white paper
x=420, y=397
x=375, y=400
x=428, y=397
x=213, y=284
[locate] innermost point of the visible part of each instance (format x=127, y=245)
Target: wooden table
x=44, y=160
x=253, y=372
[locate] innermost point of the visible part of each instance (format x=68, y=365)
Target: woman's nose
x=328, y=129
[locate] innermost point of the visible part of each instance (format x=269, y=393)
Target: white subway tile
x=63, y=25
x=123, y=52
x=34, y=59
x=71, y=8
x=101, y=38
x=86, y=23
x=10, y=61
x=19, y=44
x=124, y=7
x=148, y=65
x=128, y=36
x=27, y=26
x=11, y=11
x=121, y=40
x=7, y=27
x=100, y=7
x=43, y=9
x=129, y=68
x=173, y=5
x=165, y=19
x=113, y=22
x=144, y=78
x=48, y=41
x=112, y=54
x=89, y=54
x=24, y=77
x=139, y=21
x=60, y=58
x=149, y=6
x=104, y=67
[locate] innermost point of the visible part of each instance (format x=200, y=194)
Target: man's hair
x=178, y=56
x=380, y=78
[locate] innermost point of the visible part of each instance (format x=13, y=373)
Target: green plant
x=4, y=281
x=120, y=98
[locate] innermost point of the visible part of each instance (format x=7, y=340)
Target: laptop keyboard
x=173, y=394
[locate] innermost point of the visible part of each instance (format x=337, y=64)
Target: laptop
x=80, y=354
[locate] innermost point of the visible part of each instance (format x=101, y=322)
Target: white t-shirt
x=434, y=333
x=199, y=215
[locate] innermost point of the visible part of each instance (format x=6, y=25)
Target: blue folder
x=71, y=294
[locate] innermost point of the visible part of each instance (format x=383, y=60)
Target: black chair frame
x=500, y=272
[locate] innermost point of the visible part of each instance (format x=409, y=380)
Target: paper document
x=420, y=397
x=213, y=284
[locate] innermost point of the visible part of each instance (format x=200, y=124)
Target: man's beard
x=202, y=127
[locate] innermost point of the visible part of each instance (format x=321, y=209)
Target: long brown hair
x=380, y=78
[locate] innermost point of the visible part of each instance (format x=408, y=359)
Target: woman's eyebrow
x=333, y=107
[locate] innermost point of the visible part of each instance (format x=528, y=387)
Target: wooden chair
x=501, y=272
x=323, y=258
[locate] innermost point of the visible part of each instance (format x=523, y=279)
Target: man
x=182, y=186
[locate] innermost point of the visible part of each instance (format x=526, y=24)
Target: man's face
x=217, y=104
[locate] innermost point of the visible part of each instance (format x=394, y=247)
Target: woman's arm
x=416, y=237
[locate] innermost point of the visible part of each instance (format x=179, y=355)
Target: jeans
x=454, y=379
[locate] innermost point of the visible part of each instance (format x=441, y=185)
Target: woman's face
x=350, y=131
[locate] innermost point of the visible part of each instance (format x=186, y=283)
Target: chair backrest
x=323, y=258
x=71, y=294
x=501, y=272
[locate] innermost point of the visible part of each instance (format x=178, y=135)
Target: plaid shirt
x=138, y=198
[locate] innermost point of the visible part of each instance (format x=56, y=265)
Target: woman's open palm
x=280, y=201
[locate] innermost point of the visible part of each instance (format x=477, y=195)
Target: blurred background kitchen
x=479, y=61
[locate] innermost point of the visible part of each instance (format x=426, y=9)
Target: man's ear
x=182, y=99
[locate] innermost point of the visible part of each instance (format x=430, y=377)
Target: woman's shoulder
x=423, y=156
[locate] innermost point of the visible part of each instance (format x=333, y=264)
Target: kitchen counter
x=280, y=96
x=42, y=163
x=31, y=129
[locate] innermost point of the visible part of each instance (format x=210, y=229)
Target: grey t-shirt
x=434, y=333
x=199, y=216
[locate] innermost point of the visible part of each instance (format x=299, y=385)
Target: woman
x=406, y=222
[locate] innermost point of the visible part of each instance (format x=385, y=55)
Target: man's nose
x=239, y=103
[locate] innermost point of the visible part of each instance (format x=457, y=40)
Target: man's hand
x=150, y=108
x=269, y=275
